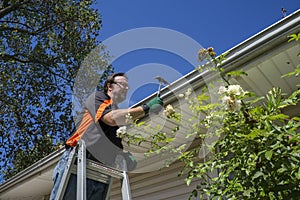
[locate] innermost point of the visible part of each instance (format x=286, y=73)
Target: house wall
x=157, y=185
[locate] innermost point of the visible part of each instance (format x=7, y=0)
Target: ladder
x=86, y=168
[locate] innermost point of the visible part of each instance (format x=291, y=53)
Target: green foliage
x=250, y=146
x=294, y=37
x=255, y=151
x=296, y=72
x=255, y=155
x=158, y=141
x=43, y=44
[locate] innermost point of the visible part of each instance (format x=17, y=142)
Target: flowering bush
x=251, y=147
x=255, y=150
x=255, y=153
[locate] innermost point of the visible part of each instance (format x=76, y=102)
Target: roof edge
x=32, y=171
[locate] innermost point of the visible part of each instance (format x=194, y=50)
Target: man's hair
x=111, y=80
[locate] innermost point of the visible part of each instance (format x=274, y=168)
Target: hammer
x=161, y=81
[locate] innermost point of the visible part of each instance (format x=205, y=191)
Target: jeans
x=95, y=190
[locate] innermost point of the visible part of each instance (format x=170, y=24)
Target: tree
x=43, y=43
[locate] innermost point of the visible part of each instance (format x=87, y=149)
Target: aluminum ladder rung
x=86, y=168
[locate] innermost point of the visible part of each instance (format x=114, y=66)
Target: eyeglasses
x=122, y=85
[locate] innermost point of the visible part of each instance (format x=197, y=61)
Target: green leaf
x=257, y=174
x=254, y=133
x=278, y=117
x=296, y=118
x=237, y=73
x=272, y=196
x=298, y=174
x=281, y=170
x=296, y=72
x=247, y=193
x=269, y=155
x=294, y=37
x=188, y=181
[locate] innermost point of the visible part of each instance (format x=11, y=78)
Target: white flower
x=225, y=99
x=231, y=103
x=235, y=90
x=128, y=119
x=208, y=119
x=222, y=90
x=181, y=95
x=188, y=92
x=169, y=111
x=238, y=105
x=121, y=132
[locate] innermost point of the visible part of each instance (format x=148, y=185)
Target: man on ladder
x=96, y=127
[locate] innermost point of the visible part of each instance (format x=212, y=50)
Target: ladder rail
x=81, y=171
x=62, y=186
x=87, y=168
x=126, y=194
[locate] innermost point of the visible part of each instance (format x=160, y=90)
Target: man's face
x=119, y=89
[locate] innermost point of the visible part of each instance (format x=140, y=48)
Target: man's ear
x=109, y=87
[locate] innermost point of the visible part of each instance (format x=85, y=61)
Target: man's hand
x=154, y=105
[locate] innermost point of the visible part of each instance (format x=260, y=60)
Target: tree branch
x=4, y=28
x=5, y=11
x=7, y=57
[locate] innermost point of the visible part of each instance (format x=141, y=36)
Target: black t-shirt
x=103, y=104
x=100, y=138
x=110, y=131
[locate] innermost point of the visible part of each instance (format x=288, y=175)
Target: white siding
x=161, y=184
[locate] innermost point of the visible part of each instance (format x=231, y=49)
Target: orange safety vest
x=86, y=121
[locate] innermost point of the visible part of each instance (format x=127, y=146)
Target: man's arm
x=118, y=117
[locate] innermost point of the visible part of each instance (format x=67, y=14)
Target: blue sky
x=220, y=24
